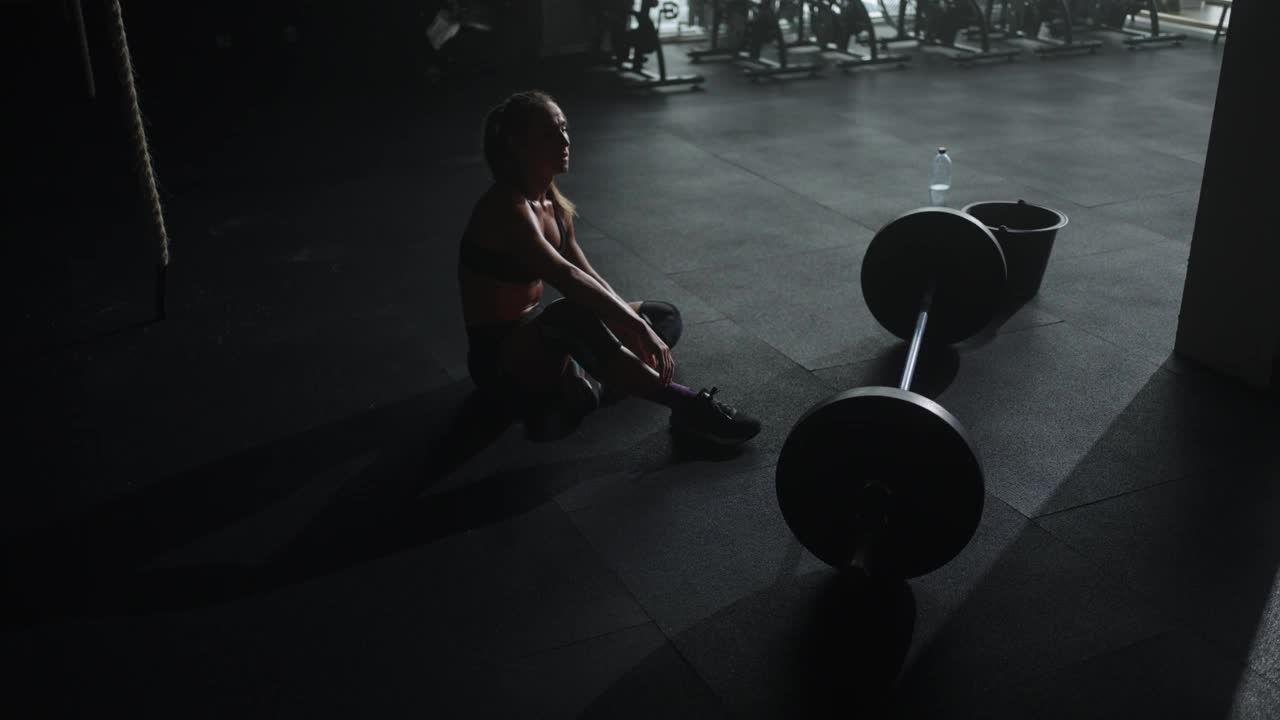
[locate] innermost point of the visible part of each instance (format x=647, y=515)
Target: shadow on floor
x=822, y=644
x=1188, y=472
x=936, y=368
x=95, y=564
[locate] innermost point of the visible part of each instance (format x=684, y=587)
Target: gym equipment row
x=834, y=27
x=967, y=30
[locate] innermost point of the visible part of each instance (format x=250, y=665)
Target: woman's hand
x=640, y=339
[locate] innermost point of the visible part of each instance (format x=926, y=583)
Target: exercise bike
x=634, y=37
x=1023, y=20
x=836, y=24
x=1111, y=15
x=759, y=23
x=938, y=23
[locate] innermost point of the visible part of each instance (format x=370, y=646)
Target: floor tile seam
x=995, y=145
x=698, y=323
x=1007, y=504
x=754, y=261
x=1147, y=604
x=1164, y=240
x=650, y=266
x=1036, y=517
x=845, y=363
x=581, y=641
x=604, y=562
x=962, y=349
x=671, y=274
x=796, y=364
x=613, y=572
x=689, y=503
x=1159, y=72
x=988, y=170
x=764, y=462
x=835, y=211
x=706, y=682
x=1173, y=374
x=1033, y=187
x=1047, y=115
x=1128, y=598
x=1150, y=602
x=1225, y=653
x=1157, y=196
x=1130, y=353
x=1049, y=673
x=773, y=182
x=1191, y=626
x=879, y=196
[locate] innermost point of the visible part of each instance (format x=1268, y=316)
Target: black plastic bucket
x=1025, y=233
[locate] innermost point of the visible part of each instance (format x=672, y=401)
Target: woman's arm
x=584, y=286
x=573, y=251
x=581, y=285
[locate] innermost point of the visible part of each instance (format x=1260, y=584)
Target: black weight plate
x=876, y=453
x=934, y=244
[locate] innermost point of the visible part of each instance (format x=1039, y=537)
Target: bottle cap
x=942, y=150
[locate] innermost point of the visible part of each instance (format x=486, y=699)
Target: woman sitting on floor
x=521, y=234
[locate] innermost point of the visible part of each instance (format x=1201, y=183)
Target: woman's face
x=546, y=148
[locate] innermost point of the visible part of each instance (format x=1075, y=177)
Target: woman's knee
x=665, y=319
x=573, y=329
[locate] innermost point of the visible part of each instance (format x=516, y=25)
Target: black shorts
x=567, y=328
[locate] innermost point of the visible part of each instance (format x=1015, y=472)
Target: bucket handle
x=1005, y=228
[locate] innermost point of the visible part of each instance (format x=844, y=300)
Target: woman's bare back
x=487, y=300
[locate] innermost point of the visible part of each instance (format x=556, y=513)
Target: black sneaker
x=710, y=420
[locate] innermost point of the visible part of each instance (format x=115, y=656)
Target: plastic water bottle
x=940, y=178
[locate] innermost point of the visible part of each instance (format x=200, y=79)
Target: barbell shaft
x=851, y=480
x=917, y=338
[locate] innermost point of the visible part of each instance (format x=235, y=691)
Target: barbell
x=882, y=478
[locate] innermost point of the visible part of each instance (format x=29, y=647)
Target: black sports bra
x=499, y=265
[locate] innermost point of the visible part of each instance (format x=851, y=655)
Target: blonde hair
x=511, y=119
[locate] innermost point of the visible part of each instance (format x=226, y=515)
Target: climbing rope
x=84, y=48
x=142, y=154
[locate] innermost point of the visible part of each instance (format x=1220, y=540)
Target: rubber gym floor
x=271, y=503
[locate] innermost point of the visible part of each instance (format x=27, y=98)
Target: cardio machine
x=834, y=25
x=1024, y=19
x=634, y=37
x=938, y=23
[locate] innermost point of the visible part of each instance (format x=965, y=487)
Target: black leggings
x=571, y=329
x=566, y=327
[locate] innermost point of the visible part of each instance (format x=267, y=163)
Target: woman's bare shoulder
x=500, y=199
x=499, y=206
x=498, y=214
